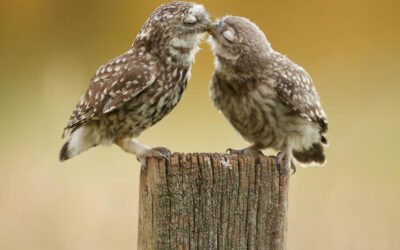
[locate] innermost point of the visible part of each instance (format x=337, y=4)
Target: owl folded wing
x=113, y=85
x=295, y=88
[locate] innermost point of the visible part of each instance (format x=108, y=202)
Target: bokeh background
x=50, y=48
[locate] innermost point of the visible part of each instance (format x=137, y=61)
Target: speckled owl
x=269, y=100
x=134, y=91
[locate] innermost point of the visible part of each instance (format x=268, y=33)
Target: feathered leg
x=142, y=151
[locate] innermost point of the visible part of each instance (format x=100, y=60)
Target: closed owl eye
x=228, y=35
x=190, y=19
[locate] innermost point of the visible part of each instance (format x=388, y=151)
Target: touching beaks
x=211, y=29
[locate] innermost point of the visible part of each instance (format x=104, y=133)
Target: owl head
x=238, y=41
x=174, y=26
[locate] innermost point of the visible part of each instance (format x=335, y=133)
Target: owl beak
x=212, y=29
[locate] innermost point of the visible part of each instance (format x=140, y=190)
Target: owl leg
x=252, y=150
x=286, y=157
x=142, y=151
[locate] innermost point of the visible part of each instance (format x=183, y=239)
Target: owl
x=268, y=99
x=132, y=92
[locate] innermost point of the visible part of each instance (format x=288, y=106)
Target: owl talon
x=144, y=160
x=284, y=163
x=293, y=167
x=163, y=150
x=285, y=170
x=143, y=164
x=153, y=152
x=157, y=154
x=164, y=157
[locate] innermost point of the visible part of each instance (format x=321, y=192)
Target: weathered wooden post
x=213, y=201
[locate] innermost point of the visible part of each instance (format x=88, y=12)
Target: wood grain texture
x=213, y=201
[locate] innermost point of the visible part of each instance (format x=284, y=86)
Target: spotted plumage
x=269, y=100
x=137, y=89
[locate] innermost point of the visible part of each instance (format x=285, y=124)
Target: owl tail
x=80, y=141
x=313, y=156
x=64, y=152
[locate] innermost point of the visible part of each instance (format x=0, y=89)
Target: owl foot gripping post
x=142, y=151
x=283, y=159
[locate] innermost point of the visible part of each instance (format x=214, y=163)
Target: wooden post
x=213, y=201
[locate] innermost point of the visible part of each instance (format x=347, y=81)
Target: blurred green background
x=49, y=50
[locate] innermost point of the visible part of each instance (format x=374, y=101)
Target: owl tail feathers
x=63, y=156
x=80, y=141
x=313, y=156
x=68, y=151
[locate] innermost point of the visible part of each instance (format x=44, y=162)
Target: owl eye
x=190, y=19
x=228, y=34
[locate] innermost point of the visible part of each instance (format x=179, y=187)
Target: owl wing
x=295, y=88
x=113, y=85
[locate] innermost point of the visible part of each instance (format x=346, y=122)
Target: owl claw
x=163, y=150
x=293, y=166
x=158, y=152
x=143, y=163
x=284, y=170
x=163, y=153
x=282, y=163
x=281, y=158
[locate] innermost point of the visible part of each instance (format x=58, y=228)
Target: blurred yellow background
x=49, y=50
